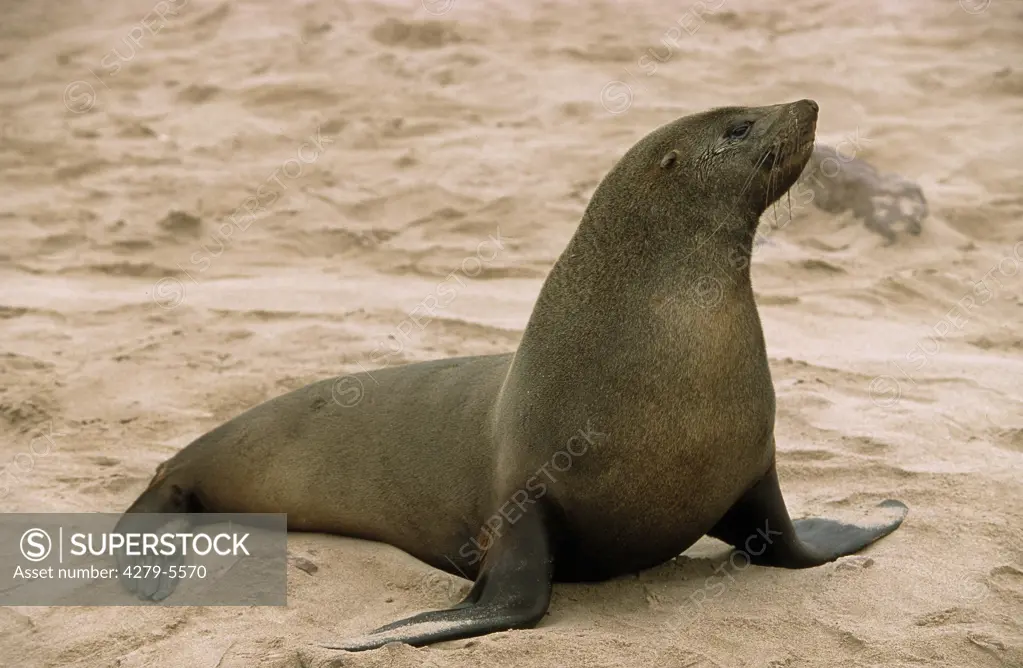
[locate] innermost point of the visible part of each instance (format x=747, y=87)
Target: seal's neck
x=619, y=300
x=615, y=286
x=652, y=247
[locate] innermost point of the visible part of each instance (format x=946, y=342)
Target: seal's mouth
x=794, y=134
x=787, y=154
x=788, y=147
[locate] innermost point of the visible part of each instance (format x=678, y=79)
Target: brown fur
x=666, y=397
x=682, y=393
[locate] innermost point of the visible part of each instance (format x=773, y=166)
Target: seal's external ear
x=669, y=160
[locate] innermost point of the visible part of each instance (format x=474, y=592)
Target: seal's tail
x=759, y=526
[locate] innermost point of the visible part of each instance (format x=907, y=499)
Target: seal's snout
x=788, y=144
x=804, y=115
x=805, y=110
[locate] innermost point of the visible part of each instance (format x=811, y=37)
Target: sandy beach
x=207, y=204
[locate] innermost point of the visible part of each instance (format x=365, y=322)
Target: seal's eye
x=739, y=131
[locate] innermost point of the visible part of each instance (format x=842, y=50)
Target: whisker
x=753, y=174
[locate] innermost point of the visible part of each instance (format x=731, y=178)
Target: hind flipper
x=512, y=591
x=161, y=508
x=759, y=525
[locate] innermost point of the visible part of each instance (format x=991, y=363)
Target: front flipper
x=759, y=525
x=512, y=591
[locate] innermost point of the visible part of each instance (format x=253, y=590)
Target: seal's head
x=718, y=170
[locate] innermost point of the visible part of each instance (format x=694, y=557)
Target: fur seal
x=664, y=408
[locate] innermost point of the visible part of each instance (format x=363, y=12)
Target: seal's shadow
x=699, y=575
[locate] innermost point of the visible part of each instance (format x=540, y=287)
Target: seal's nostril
x=813, y=105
